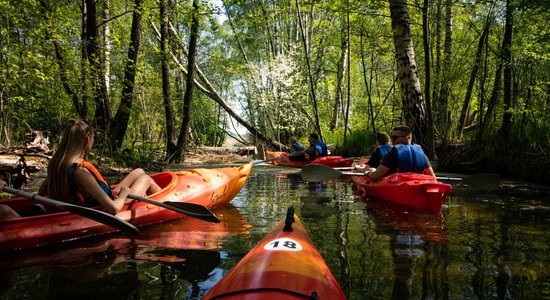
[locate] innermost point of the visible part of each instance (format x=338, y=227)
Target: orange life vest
x=76, y=194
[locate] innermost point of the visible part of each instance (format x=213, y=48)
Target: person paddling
x=297, y=151
x=71, y=178
x=403, y=157
x=316, y=148
x=383, y=147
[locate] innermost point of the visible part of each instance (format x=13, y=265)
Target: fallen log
x=249, y=150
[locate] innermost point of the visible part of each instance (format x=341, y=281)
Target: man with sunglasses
x=403, y=157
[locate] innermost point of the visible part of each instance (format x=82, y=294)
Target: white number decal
x=283, y=244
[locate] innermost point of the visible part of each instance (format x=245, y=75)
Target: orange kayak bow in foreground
x=284, y=265
x=207, y=187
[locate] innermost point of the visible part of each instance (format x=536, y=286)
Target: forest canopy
x=160, y=76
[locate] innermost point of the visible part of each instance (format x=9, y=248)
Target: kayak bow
x=284, y=265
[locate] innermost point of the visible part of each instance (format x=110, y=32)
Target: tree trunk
x=106, y=57
x=409, y=83
x=437, y=76
x=191, y=55
x=311, y=86
x=447, y=51
x=171, y=146
x=430, y=147
x=507, y=61
x=492, y=102
x=84, y=62
x=93, y=50
x=340, y=76
x=346, y=116
x=368, y=84
x=60, y=59
x=473, y=75
x=120, y=124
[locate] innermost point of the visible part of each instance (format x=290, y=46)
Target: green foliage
x=258, y=65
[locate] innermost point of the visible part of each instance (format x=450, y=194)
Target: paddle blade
x=487, y=181
x=318, y=173
x=194, y=210
x=188, y=209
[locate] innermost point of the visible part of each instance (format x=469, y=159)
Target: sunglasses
x=395, y=137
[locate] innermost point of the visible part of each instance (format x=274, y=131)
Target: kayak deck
x=207, y=187
x=284, y=265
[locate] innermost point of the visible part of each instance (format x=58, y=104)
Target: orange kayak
x=331, y=161
x=415, y=190
x=284, y=265
x=208, y=187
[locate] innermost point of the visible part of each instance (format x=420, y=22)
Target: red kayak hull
x=284, y=265
x=420, y=191
x=208, y=187
x=330, y=161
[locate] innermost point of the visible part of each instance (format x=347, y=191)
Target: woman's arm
x=88, y=183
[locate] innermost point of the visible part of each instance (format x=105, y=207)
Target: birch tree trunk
x=340, y=76
x=409, y=83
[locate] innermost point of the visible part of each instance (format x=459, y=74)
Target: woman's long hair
x=72, y=146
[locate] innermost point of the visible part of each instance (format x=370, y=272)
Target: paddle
x=96, y=215
x=318, y=173
x=189, y=209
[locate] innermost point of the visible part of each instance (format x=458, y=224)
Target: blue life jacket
x=76, y=194
x=384, y=149
x=320, y=150
x=410, y=158
x=297, y=147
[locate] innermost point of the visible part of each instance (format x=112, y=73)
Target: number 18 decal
x=283, y=244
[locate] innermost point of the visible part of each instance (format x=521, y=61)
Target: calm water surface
x=484, y=245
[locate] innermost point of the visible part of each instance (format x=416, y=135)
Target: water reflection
x=409, y=232
x=165, y=259
x=484, y=245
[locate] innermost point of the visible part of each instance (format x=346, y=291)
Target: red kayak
x=207, y=187
x=331, y=161
x=411, y=189
x=284, y=265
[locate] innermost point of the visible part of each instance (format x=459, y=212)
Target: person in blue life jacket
x=316, y=148
x=383, y=147
x=74, y=180
x=297, y=151
x=403, y=157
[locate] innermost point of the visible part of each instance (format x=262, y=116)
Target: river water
x=490, y=245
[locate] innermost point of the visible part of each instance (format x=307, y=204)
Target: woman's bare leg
x=7, y=212
x=144, y=185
